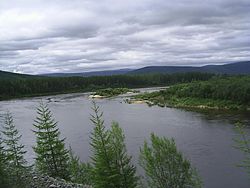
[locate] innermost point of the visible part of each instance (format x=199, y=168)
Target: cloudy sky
x=46, y=36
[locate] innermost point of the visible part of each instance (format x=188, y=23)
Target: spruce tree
x=112, y=166
x=125, y=170
x=104, y=172
x=51, y=155
x=165, y=166
x=17, y=165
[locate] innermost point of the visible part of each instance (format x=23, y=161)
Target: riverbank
x=231, y=93
x=186, y=102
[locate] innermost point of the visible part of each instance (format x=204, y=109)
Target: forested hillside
x=9, y=75
x=11, y=88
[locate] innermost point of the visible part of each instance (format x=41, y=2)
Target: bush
x=165, y=167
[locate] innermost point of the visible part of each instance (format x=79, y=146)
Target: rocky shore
x=44, y=181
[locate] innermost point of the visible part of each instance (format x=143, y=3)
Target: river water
x=204, y=138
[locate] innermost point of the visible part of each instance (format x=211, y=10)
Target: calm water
x=205, y=139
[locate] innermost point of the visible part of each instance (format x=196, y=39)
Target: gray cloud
x=85, y=35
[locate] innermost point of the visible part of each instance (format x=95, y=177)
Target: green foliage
x=79, y=172
x=112, y=168
x=3, y=166
x=165, y=167
x=110, y=92
x=234, y=88
x=34, y=86
x=125, y=170
x=220, y=93
x=51, y=155
x=104, y=171
x=243, y=144
x=14, y=151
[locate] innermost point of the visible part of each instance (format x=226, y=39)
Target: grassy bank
x=230, y=93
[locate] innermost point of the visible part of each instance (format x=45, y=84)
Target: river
x=204, y=138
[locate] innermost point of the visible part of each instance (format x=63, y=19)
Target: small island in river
x=111, y=92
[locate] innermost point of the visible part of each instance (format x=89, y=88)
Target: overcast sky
x=46, y=36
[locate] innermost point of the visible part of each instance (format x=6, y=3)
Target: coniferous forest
x=35, y=86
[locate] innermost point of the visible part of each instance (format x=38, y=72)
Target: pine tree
x=51, y=155
x=17, y=165
x=165, y=167
x=104, y=172
x=125, y=170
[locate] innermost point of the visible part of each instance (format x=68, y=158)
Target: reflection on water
x=224, y=115
x=205, y=138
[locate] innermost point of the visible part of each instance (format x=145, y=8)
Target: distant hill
x=94, y=73
x=10, y=75
x=232, y=68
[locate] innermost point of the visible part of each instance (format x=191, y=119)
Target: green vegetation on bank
x=110, y=166
x=37, y=86
x=222, y=92
x=111, y=92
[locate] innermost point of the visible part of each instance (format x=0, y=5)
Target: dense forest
x=220, y=92
x=34, y=86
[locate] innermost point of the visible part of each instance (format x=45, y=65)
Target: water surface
x=205, y=139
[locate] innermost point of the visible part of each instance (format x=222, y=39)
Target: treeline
x=13, y=88
x=234, y=88
x=221, y=92
x=110, y=167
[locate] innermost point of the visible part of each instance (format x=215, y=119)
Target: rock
x=44, y=181
x=96, y=96
x=53, y=186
